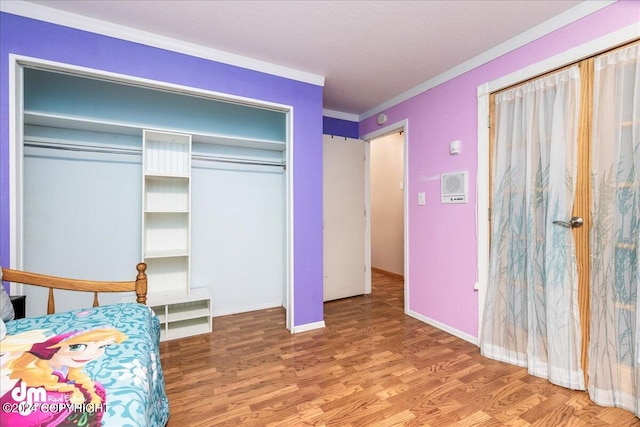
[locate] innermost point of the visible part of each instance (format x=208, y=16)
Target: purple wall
x=339, y=127
x=442, y=238
x=38, y=39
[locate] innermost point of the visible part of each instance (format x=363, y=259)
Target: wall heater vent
x=453, y=187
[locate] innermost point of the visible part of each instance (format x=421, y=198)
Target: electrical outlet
x=421, y=199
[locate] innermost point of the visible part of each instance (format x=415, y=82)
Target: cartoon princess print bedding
x=90, y=367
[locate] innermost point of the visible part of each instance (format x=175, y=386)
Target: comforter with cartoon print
x=88, y=367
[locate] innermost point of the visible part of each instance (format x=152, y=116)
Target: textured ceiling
x=368, y=51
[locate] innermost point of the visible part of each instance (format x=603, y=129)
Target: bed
x=97, y=366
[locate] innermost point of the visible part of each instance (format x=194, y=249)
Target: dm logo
x=29, y=396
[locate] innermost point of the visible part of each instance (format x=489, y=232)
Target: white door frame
x=16, y=111
x=401, y=126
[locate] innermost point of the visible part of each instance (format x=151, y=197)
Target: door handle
x=574, y=222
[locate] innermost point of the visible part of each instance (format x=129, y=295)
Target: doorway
x=386, y=173
x=353, y=179
x=386, y=197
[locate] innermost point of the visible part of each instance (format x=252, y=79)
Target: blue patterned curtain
x=614, y=349
x=531, y=314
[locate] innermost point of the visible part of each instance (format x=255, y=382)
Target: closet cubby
x=166, y=194
x=166, y=232
x=184, y=317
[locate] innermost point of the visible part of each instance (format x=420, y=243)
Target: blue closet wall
x=52, y=92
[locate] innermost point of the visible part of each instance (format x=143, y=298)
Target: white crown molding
x=340, y=115
x=578, y=53
x=54, y=16
x=553, y=24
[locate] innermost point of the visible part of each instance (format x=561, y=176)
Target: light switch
x=421, y=199
x=454, y=147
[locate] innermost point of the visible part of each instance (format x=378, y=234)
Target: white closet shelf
x=160, y=298
x=165, y=176
x=194, y=309
x=177, y=297
x=40, y=118
x=165, y=211
x=169, y=253
x=186, y=328
x=94, y=124
x=232, y=141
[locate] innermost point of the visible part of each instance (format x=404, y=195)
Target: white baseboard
x=462, y=335
x=238, y=310
x=308, y=327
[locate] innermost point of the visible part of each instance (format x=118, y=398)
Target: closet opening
x=576, y=55
x=562, y=161
x=76, y=171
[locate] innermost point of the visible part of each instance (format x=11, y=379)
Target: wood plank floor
x=371, y=366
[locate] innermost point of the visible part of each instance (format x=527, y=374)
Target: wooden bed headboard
x=52, y=282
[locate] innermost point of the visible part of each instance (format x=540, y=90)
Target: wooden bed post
x=51, y=305
x=141, y=283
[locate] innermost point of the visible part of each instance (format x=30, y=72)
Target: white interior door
x=344, y=217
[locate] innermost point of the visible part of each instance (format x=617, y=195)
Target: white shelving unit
x=166, y=223
x=183, y=317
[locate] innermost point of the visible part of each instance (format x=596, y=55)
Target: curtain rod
x=138, y=152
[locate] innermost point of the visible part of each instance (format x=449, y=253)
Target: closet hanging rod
x=83, y=147
x=138, y=152
x=237, y=160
